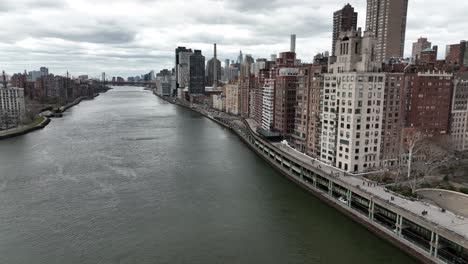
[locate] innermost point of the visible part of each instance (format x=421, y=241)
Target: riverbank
x=39, y=123
x=76, y=102
x=42, y=121
x=393, y=218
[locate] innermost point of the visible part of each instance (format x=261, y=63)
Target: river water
x=129, y=178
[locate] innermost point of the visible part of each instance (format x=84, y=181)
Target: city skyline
x=125, y=39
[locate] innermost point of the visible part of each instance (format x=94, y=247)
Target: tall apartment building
x=393, y=122
x=352, y=109
x=306, y=134
x=256, y=101
x=268, y=108
x=419, y=46
x=247, y=83
x=256, y=94
x=285, y=75
x=12, y=107
x=429, y=101
x=285, y=100
x=459, y=113
x=299, y=135
x=197, y=73
x=457, y=54
x=260, y=64
x=232, y=99
x=314, y=122
x=344, y=20
x=387, y=19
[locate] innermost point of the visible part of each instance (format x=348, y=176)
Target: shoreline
x=274, y=156
x=47, y=120
x=27, y=130
x=77, y=101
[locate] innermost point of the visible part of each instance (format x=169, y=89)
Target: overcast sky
x=131, y=37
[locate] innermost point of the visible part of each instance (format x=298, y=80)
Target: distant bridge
x=144, y=83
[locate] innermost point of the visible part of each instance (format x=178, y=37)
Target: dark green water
x=128, y=178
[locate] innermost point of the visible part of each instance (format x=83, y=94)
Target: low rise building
x=232, y=99
x=165, y=83
x=219, y=102
x=268, y=101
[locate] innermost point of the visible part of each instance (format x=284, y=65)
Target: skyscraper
x=177, y=51
x=240, y=58
x=183, y=69
x=344, y=19
x=197, y=73
x=387, y=19
x=213, y=70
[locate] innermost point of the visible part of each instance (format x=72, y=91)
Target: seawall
x=76, y=102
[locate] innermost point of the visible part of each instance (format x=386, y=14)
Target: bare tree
x=413, y=144
x=6, y=121
x=33, y=108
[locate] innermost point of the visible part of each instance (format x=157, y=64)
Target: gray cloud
x=102, y=36
x=124, y=37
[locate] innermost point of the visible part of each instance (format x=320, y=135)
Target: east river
x=129, y=178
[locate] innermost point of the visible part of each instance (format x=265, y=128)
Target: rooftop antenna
x=215, y=72
x=4, y=80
